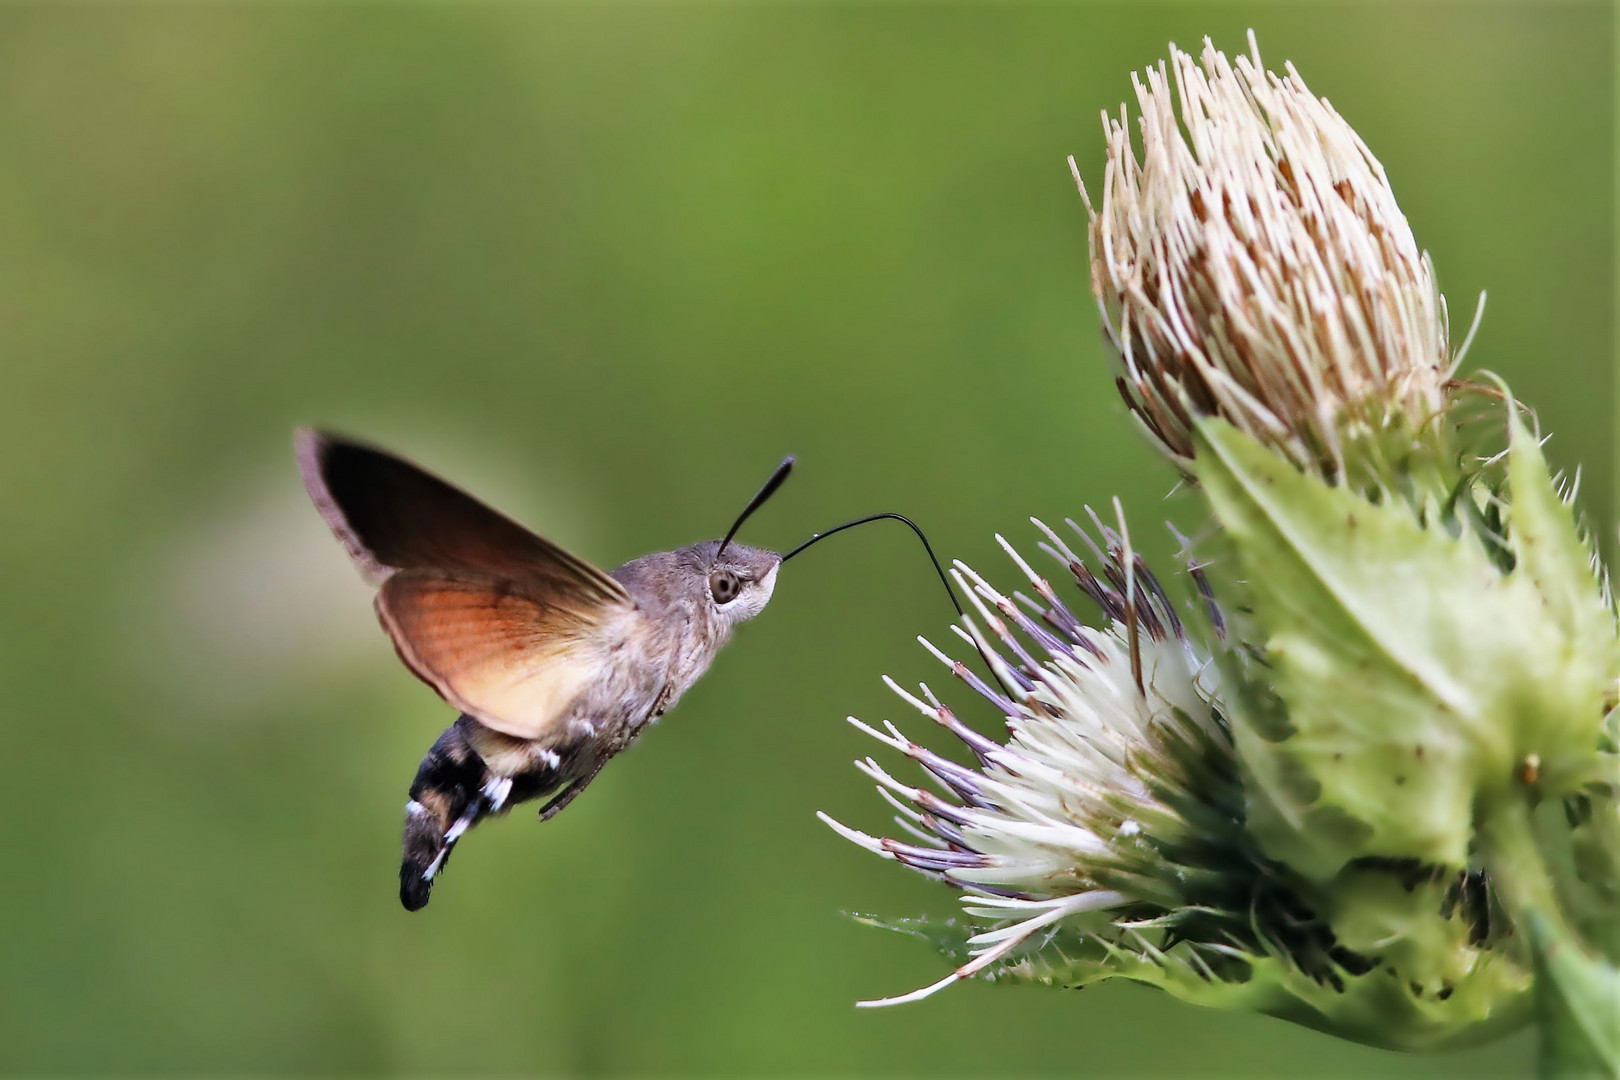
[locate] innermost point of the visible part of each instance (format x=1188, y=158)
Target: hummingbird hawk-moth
x=554, y=665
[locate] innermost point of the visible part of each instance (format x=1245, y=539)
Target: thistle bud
x=1253, y=265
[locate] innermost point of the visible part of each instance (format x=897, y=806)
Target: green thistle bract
x=1405, y=678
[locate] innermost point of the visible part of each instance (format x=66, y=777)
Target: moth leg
x=568, y=794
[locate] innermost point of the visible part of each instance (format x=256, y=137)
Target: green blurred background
x=605, y=265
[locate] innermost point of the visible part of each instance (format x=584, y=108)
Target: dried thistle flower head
x=1253, y=265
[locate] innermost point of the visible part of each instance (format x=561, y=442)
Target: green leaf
x=948, y=937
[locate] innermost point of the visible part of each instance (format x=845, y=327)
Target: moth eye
x=724, y=586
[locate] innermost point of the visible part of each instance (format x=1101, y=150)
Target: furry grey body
x=644, y=661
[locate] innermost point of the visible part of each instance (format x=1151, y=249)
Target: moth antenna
x=816, y=538
x=758, y=500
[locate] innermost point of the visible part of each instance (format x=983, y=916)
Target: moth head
x=737, y=581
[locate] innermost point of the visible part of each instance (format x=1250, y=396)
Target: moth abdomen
x=454, y=790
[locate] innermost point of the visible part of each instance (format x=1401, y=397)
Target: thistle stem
x=1575, y=1021
x=1518, y=872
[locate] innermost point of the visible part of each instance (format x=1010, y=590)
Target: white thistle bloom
x=1070, y=815
x=1254, y=265
x=1108, y=837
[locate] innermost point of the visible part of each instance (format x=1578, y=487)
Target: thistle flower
x=1072, y=815
x=1254, y=266
x=1327, y=807
x=1106, y=837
